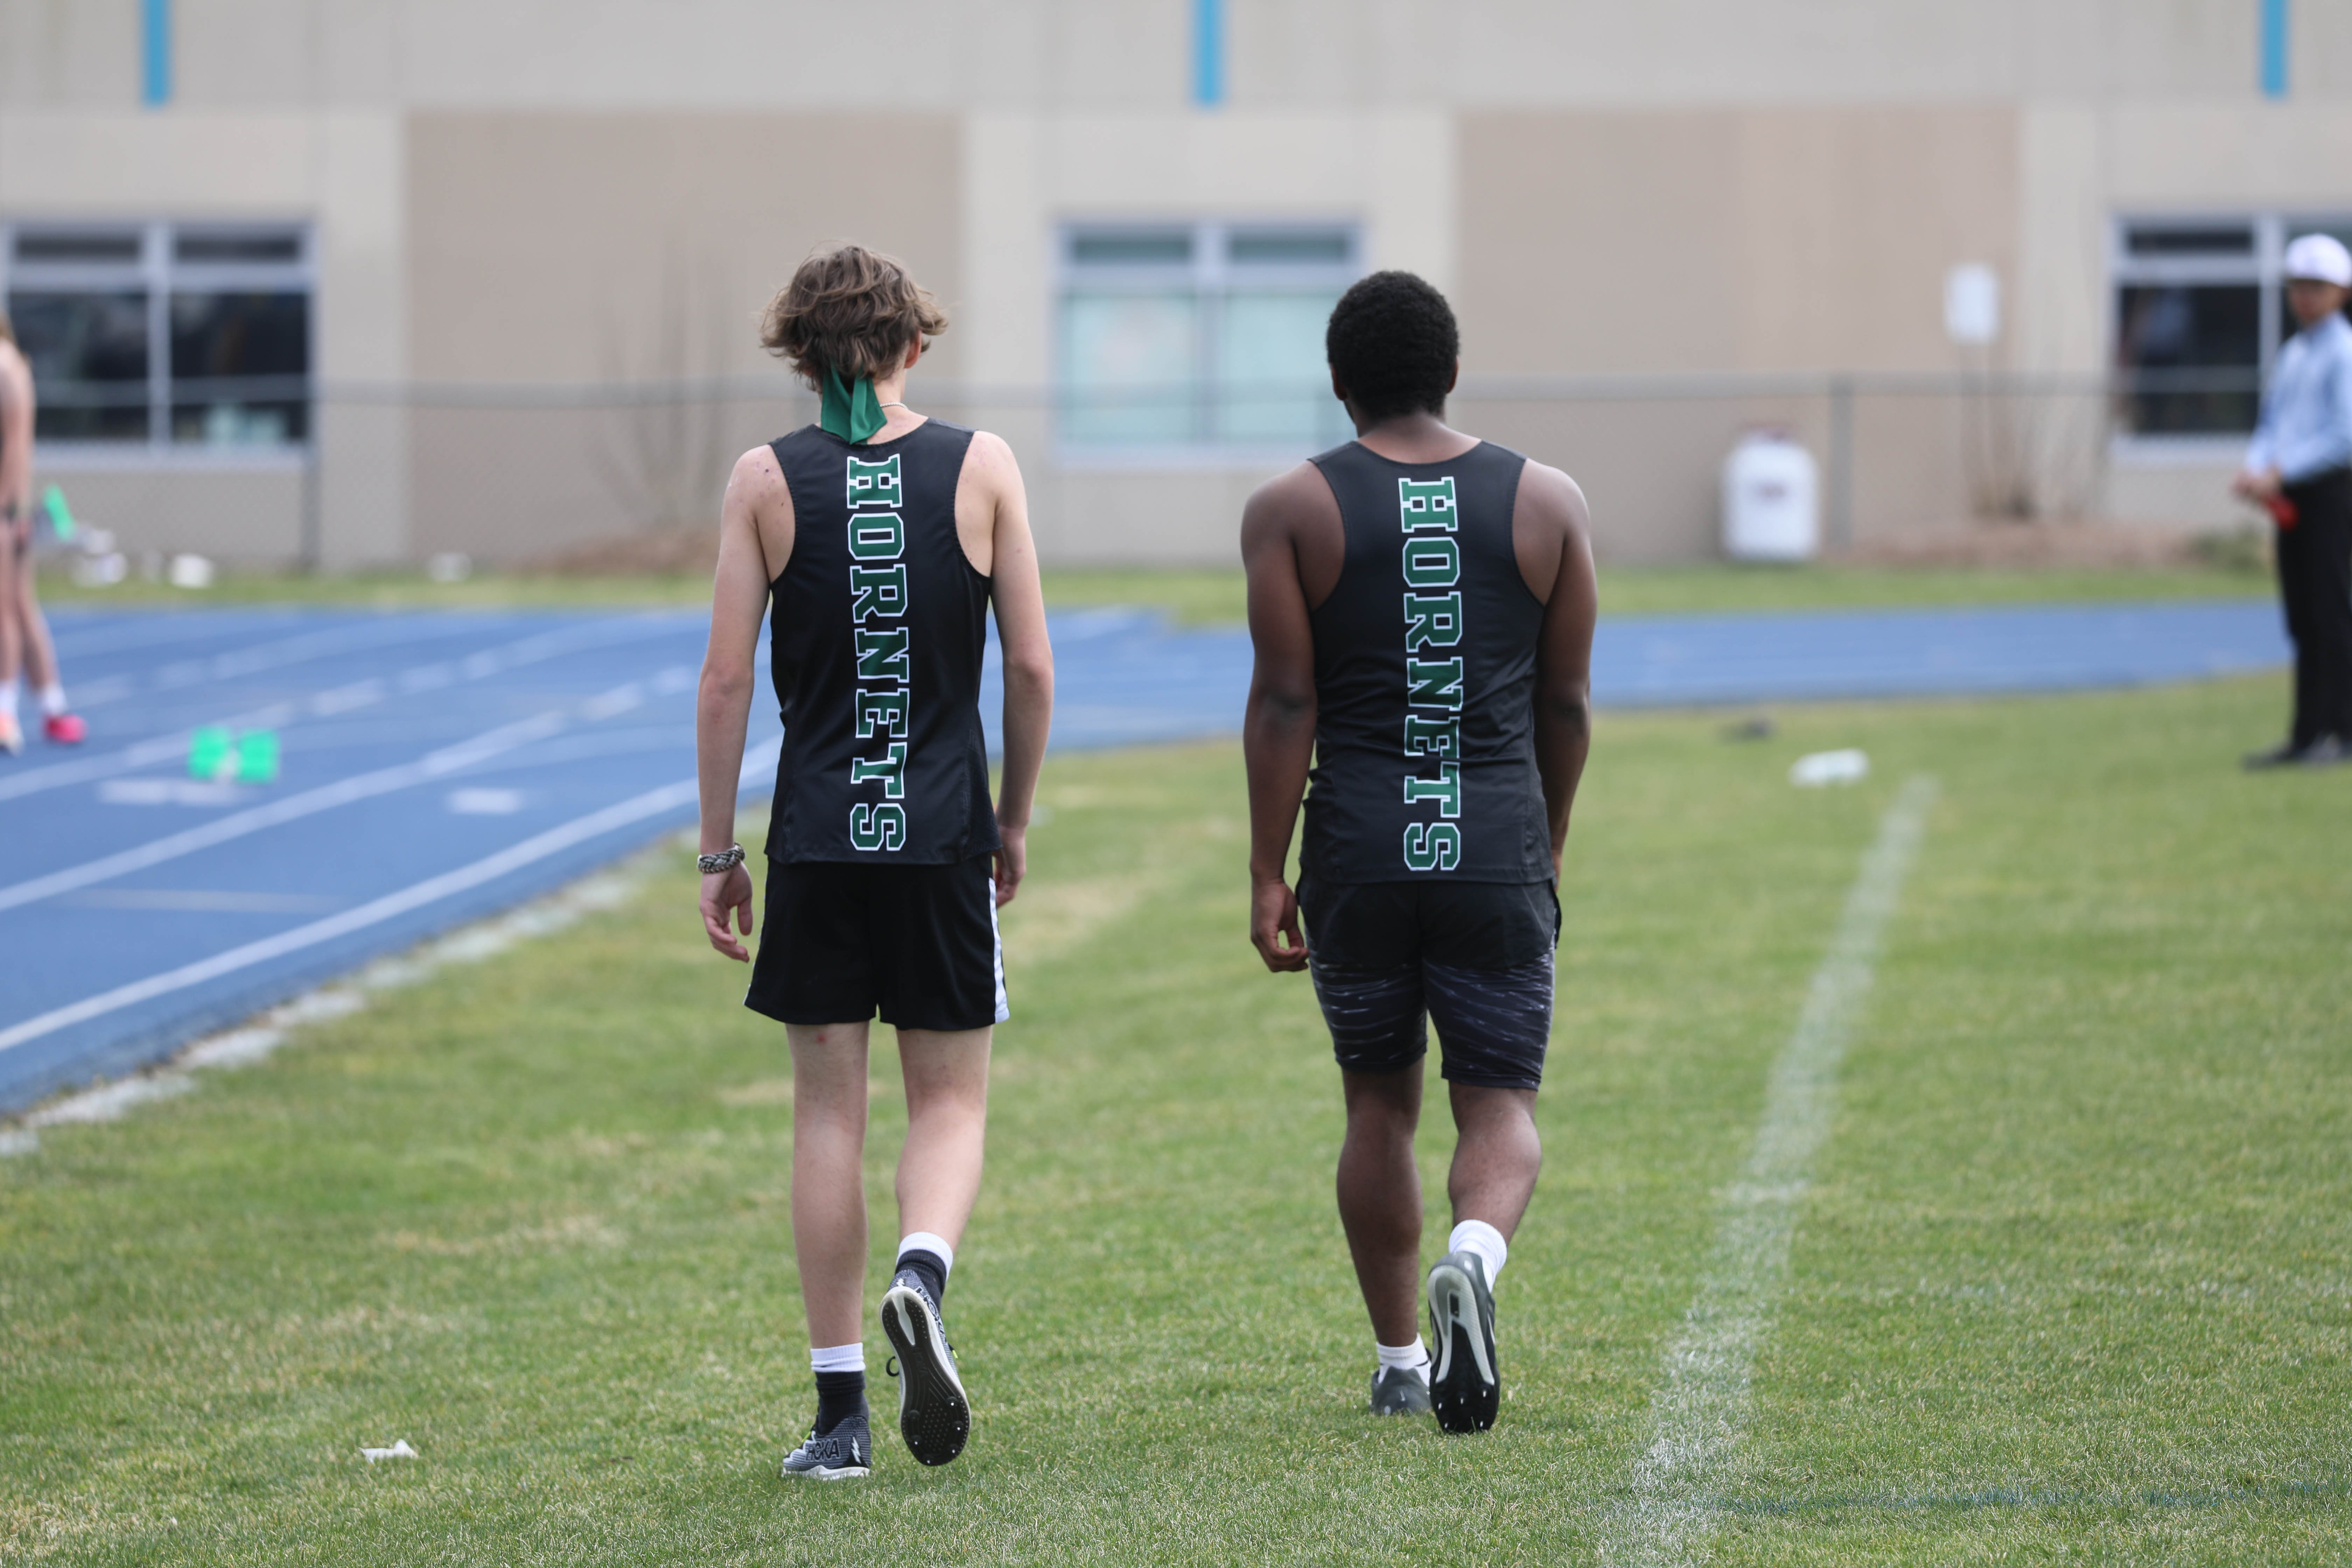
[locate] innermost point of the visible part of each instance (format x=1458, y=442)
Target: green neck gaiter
x=850, y=412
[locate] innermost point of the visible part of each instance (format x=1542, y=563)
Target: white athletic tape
x=757, y=765
x=1701, y=1404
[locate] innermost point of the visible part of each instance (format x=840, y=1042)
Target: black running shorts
x=917, y=944
x=1475, y=956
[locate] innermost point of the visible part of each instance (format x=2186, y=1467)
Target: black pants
x=2314, y=566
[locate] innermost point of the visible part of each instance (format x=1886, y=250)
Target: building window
x=172, y=336
x=1199, y=337
x=2200, y=309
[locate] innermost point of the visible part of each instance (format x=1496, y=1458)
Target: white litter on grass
x=254, y=1041
x=1700, y=1406
x=399, y=1450
x=1818, y=768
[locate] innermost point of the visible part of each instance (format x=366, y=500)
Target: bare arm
x=723, y=704
x=1028, y=658
x=1564, y=649
x=1278, y=727
x=16, y=434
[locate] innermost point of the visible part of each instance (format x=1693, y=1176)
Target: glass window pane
x=55, y=245
x=238, y=365
x=1163, y=248
x=238, y=246
x=2189, y=239
x=2194, y=351
x=89, y=354
x=1131, y=368
x=1274, y=385
x=1290, y=246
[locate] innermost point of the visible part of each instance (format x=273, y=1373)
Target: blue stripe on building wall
x=1208, y=52
x=2274, y=20
x=155, y=41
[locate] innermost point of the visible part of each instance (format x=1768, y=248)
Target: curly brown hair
x=851, y=310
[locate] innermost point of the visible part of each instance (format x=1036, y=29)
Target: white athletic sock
x=9, y=689
x=1414, y=1357
x=1476, y=1236
x=837, y=1358
x=936, y=1246
x=53, y=700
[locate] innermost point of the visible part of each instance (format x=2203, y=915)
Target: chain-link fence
x=630, y=474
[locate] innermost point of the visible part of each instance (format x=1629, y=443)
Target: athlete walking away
x=881, y=538
x=1421, y=604
x=24, y=633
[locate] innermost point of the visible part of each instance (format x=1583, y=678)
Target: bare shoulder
x=758, y=482
x=1548, y=496
x=1295, y=496
x=988, y=461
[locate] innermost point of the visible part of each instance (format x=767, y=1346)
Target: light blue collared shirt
x=2306, y=424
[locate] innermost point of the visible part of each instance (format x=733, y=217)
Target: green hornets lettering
x=1434, y=676
x=877, y=611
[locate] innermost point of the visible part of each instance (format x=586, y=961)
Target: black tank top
x=1424, y=680
x=878, y=622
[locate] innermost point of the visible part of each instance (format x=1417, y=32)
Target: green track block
x=212, y=754
x=257, y=757
x=61, y=517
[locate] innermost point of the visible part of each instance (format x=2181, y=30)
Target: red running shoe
x=65, y=729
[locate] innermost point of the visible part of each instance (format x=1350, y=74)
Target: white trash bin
x=1771, y=499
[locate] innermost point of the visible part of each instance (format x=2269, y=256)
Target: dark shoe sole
x=934, y=1416
x=1466, y=1388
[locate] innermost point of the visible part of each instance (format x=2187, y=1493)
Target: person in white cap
x=2299, y=466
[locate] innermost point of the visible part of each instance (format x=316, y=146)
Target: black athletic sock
x=839, y=1396
x=931, y=1268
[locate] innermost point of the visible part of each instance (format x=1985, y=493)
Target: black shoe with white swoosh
x=934, y=1415
x=1466, y=1384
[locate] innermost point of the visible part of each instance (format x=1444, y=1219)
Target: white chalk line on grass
x=1701, y=1404
x=538, y=847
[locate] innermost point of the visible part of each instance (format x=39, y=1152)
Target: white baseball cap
x=2320, y=257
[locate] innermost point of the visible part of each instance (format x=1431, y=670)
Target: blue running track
x=437, y=766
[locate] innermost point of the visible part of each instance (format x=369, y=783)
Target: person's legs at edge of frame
x=2314, y=564
x=59, y=724
x=12, y=643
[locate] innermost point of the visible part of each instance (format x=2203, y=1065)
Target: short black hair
x=1392, y=343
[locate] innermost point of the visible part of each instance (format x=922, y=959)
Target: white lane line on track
x=1701, y=1404
x=757, y=765
x=326, y=797
x=533, y=649
x=118, y=631
x=268, y=656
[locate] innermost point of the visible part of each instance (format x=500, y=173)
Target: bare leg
x=33, y=629
x=947, y=1127
x=12, y=638
x=1380, y=1197
x=1496, y=1155
x=829, y=1177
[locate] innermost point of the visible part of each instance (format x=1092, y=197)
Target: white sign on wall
x=1972, y=304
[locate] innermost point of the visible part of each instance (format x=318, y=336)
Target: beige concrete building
x=370, y=280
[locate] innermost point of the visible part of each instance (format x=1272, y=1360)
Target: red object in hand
x=2282, y=511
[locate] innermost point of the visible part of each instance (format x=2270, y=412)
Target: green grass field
x=2074, y=1278
x=1198, y=597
